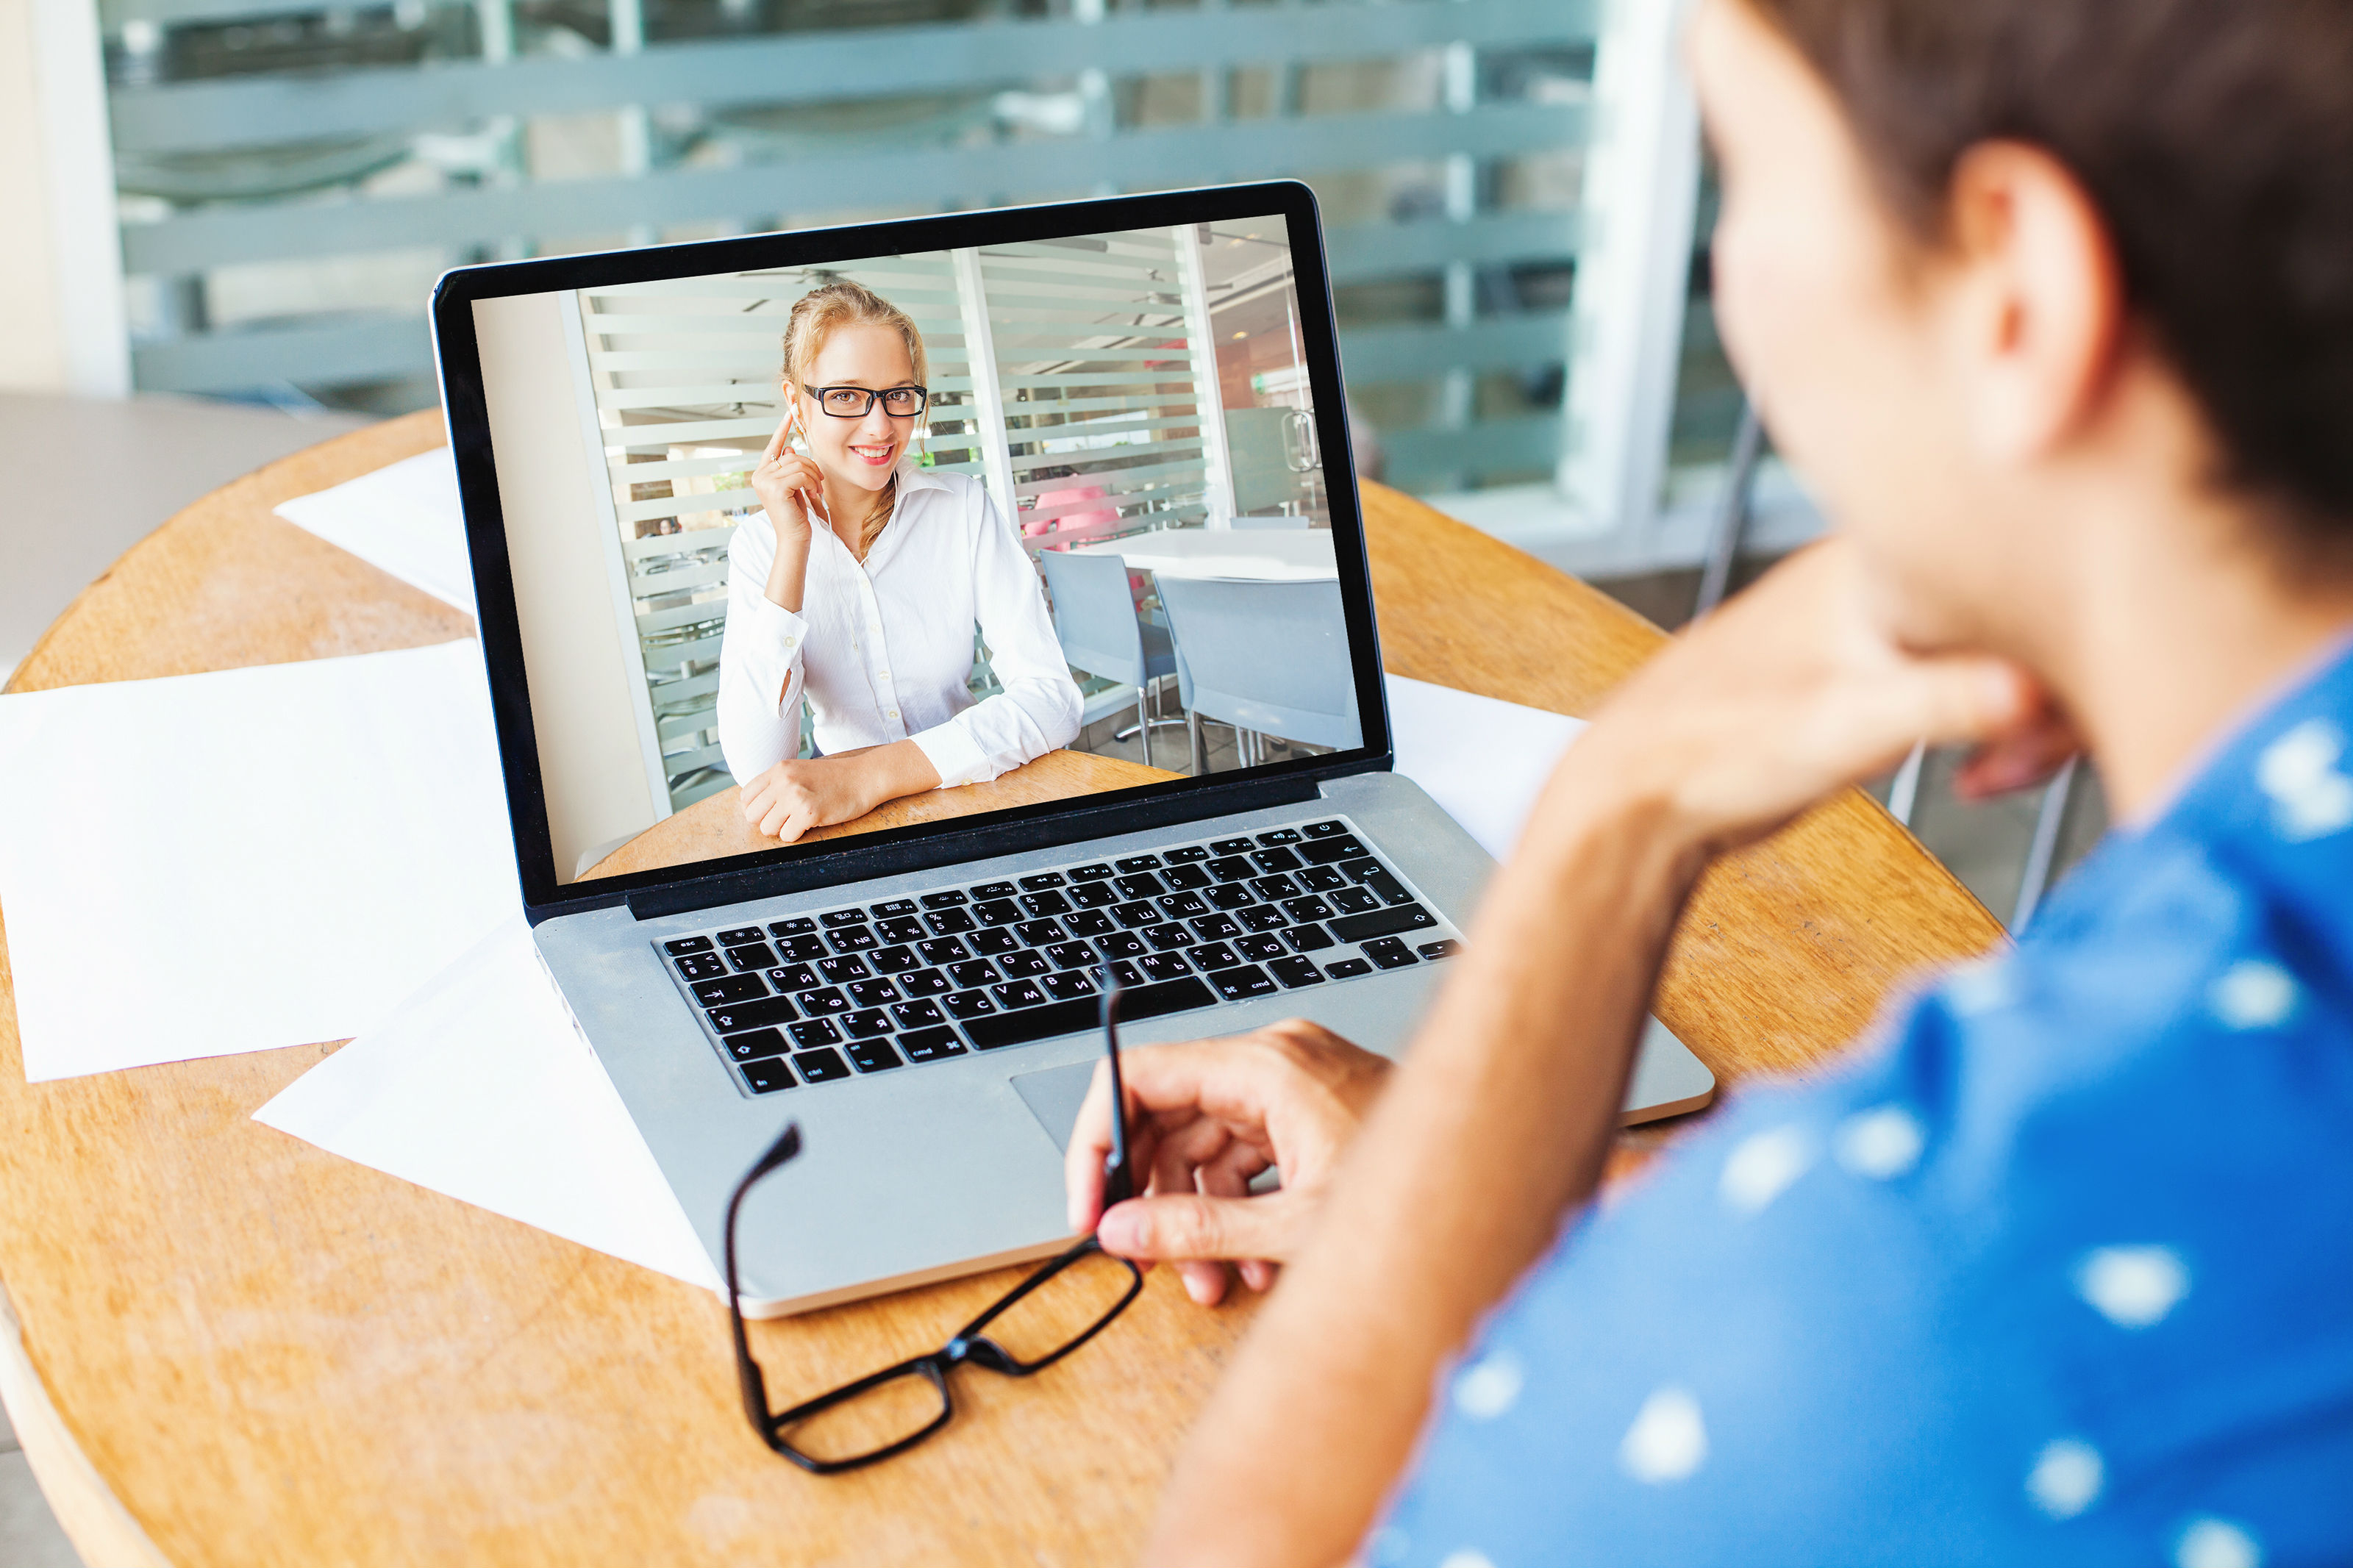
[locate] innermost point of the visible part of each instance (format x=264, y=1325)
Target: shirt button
x=894, y=713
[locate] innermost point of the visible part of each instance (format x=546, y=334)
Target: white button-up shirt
x=881, y=652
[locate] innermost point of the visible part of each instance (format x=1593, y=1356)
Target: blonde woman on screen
x=857, y=587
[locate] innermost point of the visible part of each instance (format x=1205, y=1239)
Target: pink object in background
x=1033, y=526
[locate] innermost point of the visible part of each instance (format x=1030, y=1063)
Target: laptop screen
x=883, y=530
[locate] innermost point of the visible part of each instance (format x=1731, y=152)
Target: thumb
x=1970, y=697
x=1181, y=1226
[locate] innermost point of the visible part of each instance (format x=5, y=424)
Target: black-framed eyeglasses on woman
x=1058, y=1309
x=852, y=402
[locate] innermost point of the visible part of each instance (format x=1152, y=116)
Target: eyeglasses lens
x=870, y=1422
x=1072, y=1300
x=903, y=401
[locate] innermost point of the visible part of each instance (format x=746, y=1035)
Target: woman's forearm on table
x=1498, y=1120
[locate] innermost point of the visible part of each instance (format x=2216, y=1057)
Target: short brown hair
x=2216, y=138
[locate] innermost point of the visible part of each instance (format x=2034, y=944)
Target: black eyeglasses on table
x=1046, y=1317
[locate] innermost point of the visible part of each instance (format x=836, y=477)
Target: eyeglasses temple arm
x=1119, y=1180
x=754, y=1387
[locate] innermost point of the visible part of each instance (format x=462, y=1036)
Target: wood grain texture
x=714, y=825
x=277, y=1357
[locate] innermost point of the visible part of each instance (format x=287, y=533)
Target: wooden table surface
x=271, y=1356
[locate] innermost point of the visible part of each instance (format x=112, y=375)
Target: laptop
x=1154, y=377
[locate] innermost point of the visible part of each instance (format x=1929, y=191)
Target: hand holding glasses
x=1046, y=1317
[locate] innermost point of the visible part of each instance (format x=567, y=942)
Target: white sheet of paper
x=208, y=864
x=480, y=1087
x=404, y=518
x=1483, y=760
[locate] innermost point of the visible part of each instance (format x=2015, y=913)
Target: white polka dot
x=1763, y=1164
x=1464, y=1557
x=2309, y=796
x=2215, y=1543
x=1881, y=1144
x=1980, y=986
x=2252, y=995
x=2133, y=1287
x=1489, y=1386
x=2066, y=1477
x=1667, y=1441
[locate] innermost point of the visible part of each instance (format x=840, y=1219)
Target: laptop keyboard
x=820, y=998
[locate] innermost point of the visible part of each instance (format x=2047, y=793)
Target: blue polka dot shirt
x=2059, y=1271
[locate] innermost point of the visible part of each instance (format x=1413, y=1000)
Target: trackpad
x=1054, y=1095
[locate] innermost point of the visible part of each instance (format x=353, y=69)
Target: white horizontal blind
x=1095, y=365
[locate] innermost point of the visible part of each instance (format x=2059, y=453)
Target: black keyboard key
x=1158, y=966
x=1120, y=944
x=978, y=972
x=757, y=1015
x=1167, y=937
x=815, y=1032
x=1280, y=836
x=925, y=982
x=874, y=1056
x=1042, y=880
x=741, y=936
x=817, y=1003
x=800, y=949
x=1135, y=863
x=1444, y=947
x=992, y=890
x=799, y=925
x=1274, y=886
x=753, y=1044
x=1124, y=970
x=1326, y=829
x=1087, y=922
x=1233, y=868
x=873, y=992
x=1355, y=901
x=1183, y=906
x=1348, y=968
x=790, y=977
x=1258, y=949
x=1217, y=926
x=865, y=1024
x=678, y=947
x=1322, y=880
x=997, y=911
x=943, y=949
x=842, y=918
x=1233, y=845
x=894, y=960
x=1307, y=909
x=1389, y=953
x=921, y=1014
x=1307, y=938
x=1039, y=934
x=1187, y=856
x=901, y=930
x=1142, y=885
x=1096, y=873
x=1296, y=971
x=701, y=966
x=1018, y=994
x=1216, y=955
x=1263, y=916
x=970, y=1003
x=752, y=956
x=1069, y=1017
x=1183, y=877
x=1093, y=895
x=734, y=988
x=1045, y=903
x=1024, y=963
x=1233, y=896
x=948, y=922
x=893, y=909
x=1071, y=954
x=1069, y=983
x=767, y=1077
x=822, y=1067
x=1273, y=860
x=1138, y=914
x=943, y=900
x=996, y=940
x=930, y=1044
x=1383, y=923
x=853, y=938
x=1327, y=851
x=1388, y=889
x=840, y=970
x=1238, y=984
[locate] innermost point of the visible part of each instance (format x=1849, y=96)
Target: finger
x=1177, y=1227
x=1229, y=1176
x=1204, y=1281
x=1182, y=1153
x=1083, y=1157
x=2019, y=760
x=1970, y=699
x=1258, y=1274
x=776, y=442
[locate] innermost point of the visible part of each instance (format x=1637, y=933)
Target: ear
x=2041, y=307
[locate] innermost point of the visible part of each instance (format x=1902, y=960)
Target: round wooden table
x=238, y=1350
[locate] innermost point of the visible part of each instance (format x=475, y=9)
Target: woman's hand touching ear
x=785, y=480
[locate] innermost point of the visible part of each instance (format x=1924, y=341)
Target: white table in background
x=1261, y=554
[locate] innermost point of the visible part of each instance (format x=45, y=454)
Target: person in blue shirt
x=2052, y=303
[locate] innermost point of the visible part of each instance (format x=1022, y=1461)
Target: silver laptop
x=1152, y=378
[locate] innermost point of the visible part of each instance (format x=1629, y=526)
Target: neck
x=851, y=508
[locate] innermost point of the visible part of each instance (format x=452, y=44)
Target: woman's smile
x=878, y=457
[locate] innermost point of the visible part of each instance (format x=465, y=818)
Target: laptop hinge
x=931, y=852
